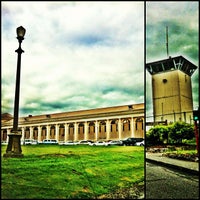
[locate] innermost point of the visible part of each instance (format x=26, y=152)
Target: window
x=164, y=80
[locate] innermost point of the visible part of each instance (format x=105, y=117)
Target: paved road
x=165, y=183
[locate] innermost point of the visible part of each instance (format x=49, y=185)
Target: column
x=132, y=127
x=75, y=131
x=2, y=130
x=39, y=134
x=23, y=135
x=143, y=127
x=66, y=132
x=8, y=133
x=120, y=128
x=31, y=132
x=96, y=130
x=47, y=132
x=86, y=131
x=57, y=132
x=107, y=129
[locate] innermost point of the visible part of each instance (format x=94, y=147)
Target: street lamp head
x=20, y=33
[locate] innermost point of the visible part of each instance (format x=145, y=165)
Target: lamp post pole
x=14, y=144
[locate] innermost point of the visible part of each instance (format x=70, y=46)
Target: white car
x=4, y=143
x=30, y=141
x=140, y=143
x=50, y=141
x=83, y=142
x=98, y=143
x=114, y=142
x=68, y=143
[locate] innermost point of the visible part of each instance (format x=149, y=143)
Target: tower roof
x=169, y=64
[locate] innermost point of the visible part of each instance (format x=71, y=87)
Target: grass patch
x=65, y=172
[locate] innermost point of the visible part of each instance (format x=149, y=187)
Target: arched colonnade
x=108, y=129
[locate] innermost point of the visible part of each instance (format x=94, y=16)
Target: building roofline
x=178, y=62
x=89, y=113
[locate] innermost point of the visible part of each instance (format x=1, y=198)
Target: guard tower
x=172, y=89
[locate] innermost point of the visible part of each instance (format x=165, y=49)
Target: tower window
x=164, y=80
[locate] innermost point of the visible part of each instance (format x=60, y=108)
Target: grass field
x=70, y=172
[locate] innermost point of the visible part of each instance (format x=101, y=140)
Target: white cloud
x=73, y=50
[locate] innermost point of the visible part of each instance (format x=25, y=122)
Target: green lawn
x=70, y=172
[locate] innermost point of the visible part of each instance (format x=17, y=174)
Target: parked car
x=131, y=141
x=114, y=142
x=68, y=143
x=140, y=143
x=98, y=143
x=4, y=142
x=50, y=141
x=30, y=141
x=84, y=142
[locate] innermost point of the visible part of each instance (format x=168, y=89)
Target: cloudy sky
x=85, y=55
x=181, y=17
x=78, y=55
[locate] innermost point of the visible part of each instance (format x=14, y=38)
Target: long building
x=110, y=123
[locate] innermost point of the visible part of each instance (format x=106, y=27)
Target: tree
x=164, y=133
x=175, y=133
x=153, y=136
x=181, y=130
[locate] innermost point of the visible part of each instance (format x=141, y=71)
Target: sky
x=86, y=55
x=77, y=55
x=181, y=18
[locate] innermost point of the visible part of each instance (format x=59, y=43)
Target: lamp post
x=14, y=144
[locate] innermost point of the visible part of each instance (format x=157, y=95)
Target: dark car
x=131, y=141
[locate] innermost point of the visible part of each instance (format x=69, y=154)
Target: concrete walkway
x=187, y=166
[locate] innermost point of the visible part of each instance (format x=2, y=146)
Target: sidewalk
x=186, y=166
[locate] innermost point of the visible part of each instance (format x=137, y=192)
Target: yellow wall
x=172, y=96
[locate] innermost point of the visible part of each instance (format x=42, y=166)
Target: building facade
x=111, y=123
x=172, y=89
